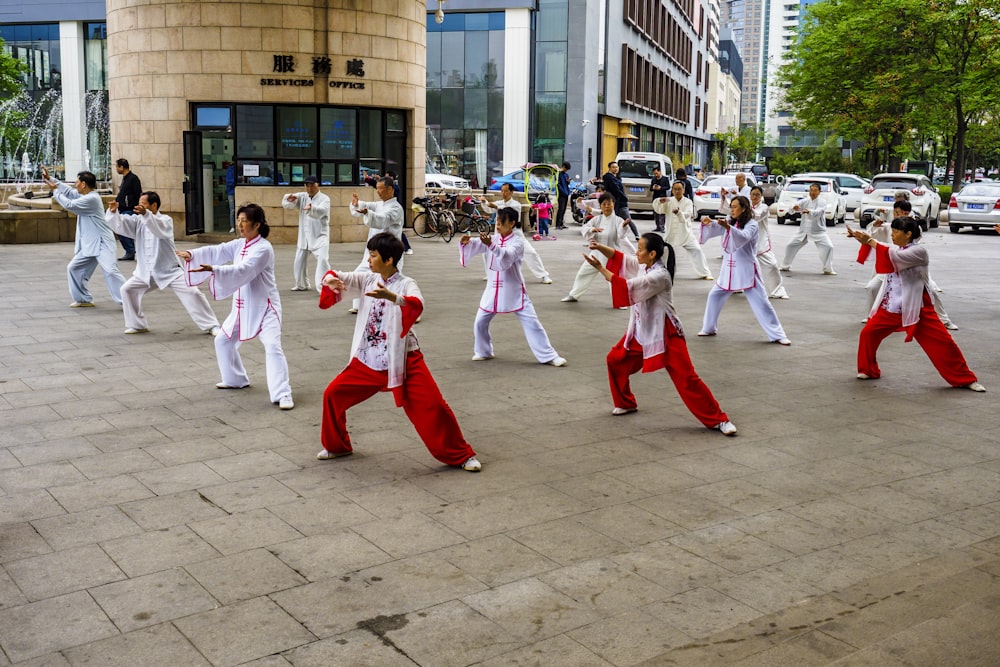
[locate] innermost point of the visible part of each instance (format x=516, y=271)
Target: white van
x=636, y=171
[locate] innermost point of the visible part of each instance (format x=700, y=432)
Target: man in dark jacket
x=128, y=196
x=613, y=185
x=563, y=192
x=659, y=188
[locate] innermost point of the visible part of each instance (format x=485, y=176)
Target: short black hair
x=152, y=198
x=567, y=165
x=387, y=246
x=907, y=225
x=506, y=185
x=757, y=188
x=122, y=162
x=508, y=214
x=88, y=179
x=903, y=205
x=607, y=196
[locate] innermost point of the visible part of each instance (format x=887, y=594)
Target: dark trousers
x=563, y=200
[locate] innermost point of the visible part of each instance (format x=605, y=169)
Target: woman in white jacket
x=904, y=304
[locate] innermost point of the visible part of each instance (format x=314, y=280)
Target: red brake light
x=701, y=192
x=869, y=189
x=954, y=202
x=493, y=181
x=996, y=207
x=918, y=191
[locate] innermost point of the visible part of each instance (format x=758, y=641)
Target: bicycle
x=435, y=217
x=470, y=220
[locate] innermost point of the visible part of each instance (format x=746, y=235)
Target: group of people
x=385, y=354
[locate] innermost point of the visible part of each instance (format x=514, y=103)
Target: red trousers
x=931, y=336
x=421, y=399
x=623, y=362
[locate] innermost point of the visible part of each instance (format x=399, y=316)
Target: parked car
x=797, y=187
x=924, y=197
x=436, y=180
x=976, y=205
x=707, y=197
x=515, y=179
x=852, y=185
x=636, y=171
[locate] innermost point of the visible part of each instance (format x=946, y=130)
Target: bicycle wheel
x=423, y=225
x=463, y=223
x=446, y=225
x=482, y=226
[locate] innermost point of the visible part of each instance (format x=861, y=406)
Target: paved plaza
x=148, y=518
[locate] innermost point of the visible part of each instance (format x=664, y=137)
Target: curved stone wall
x=164, y=54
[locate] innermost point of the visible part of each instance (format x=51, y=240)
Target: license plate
x=635, y=188
x=888, y=199
x=715, y=195
x=975, y=207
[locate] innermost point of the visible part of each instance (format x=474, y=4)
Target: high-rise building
x=747, y=22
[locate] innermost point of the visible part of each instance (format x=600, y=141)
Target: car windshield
x=803, y=186
x=637, y=168
x=725, y=181
x=981, y=190
x=893, y=184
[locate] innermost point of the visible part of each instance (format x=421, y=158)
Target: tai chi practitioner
x=384, y=215
x=95, y=242
x=739, y=271
x=765, y=257
x=654, y=338
x=678, y=212
x=532, y=260
x=156, y=265
x=505, y=292
x=249, y=279
x=904, y=304
x=880, y=231
x=812, y=227
x=385, y=356
x=607, y=229
x=314, y=232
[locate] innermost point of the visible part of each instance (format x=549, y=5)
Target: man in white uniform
x=314, y=233
x=605, y=229
x=768, y=263
x=532, y=260
x=678, y=210
x=383, y=215
x=812, y=227
x=156, y=265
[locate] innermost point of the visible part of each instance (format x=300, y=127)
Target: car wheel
x=832, y=222
x=954, y=229
x=936, y=220
x=781, y=220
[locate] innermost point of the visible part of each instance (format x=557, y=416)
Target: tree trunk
x=961, y=125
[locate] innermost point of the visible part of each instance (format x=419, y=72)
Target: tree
x=11, y=93
x=743, y=144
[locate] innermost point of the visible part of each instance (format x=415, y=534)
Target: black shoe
x=127, y=258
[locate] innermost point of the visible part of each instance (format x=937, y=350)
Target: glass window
x=477, y=55
x=433, y=106
x=340, y=131
x=475, y=108
x=254, y=131
x=370, y=169
x=212, y=117
x=494, y=117
x=297, y=132
x=452, y=108
x=495, y=77
x=293, y=172
x=452, y=60
x=95, y=54
x=395, y=121
x=337, y=173
x=433, y=59
x=370, y=133
x=255, y=172
x=551, y=20
x=550, y=73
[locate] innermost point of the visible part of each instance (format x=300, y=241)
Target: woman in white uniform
x=244, y=269
x=765, y=256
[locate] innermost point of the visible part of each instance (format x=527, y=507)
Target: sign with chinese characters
x=284, y=63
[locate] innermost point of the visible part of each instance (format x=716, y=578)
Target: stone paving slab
x=153, y=519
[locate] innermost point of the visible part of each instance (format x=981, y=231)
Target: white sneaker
x=975, y=386
x=472, y=464
x=707, y=278
x=568, y=299
x=479, y=358
x=214, y=331
x=223, y=385
x=286, y=403
x=786, y=269
x=546, y=280
x=232, y=230
x=130, y=330
x=727, y=428
x=831, y=272
x=558, y=361
x=325, y=455
x=352, y=311
x=951, y=326
x=299, y=289
x=864, y=376
x=408, y=251
x=617, y=412
x=783, y=341
x=81, y=304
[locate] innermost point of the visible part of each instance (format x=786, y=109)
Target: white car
x=852, y=185
x=923, y=196
x=435, y=180
x=796, y=188
x=707, y=196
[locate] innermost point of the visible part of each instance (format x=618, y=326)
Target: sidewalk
x=148, y=518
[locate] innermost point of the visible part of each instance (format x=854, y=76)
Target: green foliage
x=11, y=89
x=945, y=192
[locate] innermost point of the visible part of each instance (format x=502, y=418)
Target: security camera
x=584, y=123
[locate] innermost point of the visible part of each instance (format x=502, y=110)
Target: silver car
x=976, y=205
x=852, y=185
x=707, y=196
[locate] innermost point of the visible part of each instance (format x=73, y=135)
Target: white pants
x=192, y=299
x=761, y=307
x=300, y=265
x=532, y=260
x=538, y=340
x=771, y=275
x=275, y=366
x=80, y=269
x=823, y=245
x=584, y=276
x=697, y=257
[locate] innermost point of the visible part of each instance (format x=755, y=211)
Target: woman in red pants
x=904, y=304
x=654, y=338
